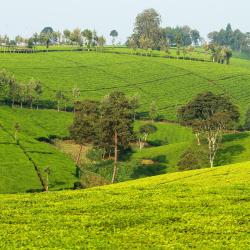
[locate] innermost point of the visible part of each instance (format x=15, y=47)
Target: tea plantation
x=203, y=209
x=97, y=74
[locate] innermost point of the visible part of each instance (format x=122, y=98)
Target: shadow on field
x=225, y=155
x=57, y=183
x=148, y=170
x=233, y=137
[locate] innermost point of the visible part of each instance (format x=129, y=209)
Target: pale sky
x=24, y=17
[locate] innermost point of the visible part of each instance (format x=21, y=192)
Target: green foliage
x=85, y=128
x=194, y=157
x=202, y=209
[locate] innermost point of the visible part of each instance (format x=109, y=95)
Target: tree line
x=148, y=30
x=19, y=93
x=235, y=39
x=48, y=36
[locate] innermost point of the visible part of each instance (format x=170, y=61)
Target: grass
x=203, y=209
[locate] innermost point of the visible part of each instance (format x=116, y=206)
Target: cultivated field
x=203, y=209
x=169, y=82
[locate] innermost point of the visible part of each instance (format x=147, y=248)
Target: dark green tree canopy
x=148, y=129
x=117, y=115
x=85, y=128
x=47, y=30
x=147, y=25
x=114, y=33
x=205, y=106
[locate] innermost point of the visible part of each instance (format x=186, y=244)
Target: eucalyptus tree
x=210, y=116
x=101, y=42
x=116, y=124
x=88, y=36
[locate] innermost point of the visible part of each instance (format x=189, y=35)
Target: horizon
x=119, y=15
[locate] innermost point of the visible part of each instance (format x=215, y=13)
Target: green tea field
x=203, y=209
x=168, y=82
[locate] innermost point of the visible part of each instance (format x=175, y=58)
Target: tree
x=195, y=35
x=34, y=90
x=60, y=97
x=153, y=111
x=75, y=93
x=114, y=35
x=101, y=41
x=85, y=127
x=210, y=115
x=164, y=45
x=147, y=24
x=6, y=81
x=35, y=38
x=88, y=35
x=14, y=92
x=47, y=171
x=132, y=44
x=145, y=130
x=76, y=36
x=145, y=43
x=116, y=124
x=67, y=35
x=47, y=36
x=135, y=104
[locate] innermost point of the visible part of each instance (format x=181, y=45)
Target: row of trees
x=235, y=39
x=11, y=89
x=148, y=30
x=48, y=36
x=219, y=54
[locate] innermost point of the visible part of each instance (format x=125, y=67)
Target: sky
x=24, y=17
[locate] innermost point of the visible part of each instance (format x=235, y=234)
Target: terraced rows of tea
x=169, y=82
x=201, y=209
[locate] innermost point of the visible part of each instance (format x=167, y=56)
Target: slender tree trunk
x=116, y=157
x=79, y=155
x=197, y=135
x=47, y=184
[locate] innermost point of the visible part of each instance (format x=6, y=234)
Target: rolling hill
x=97, y=74
x=168, y=82
x=203, y=209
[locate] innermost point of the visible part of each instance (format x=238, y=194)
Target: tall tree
x=117, y=124
x=85, y=128
x=67, y=34
x=88, y=35
x=114, y=35
x=211, y=116
x=47, y=36
x=101, y=42
x=147, y=24
x=76, y=36
x=195, y=35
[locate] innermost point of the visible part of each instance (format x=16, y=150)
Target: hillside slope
x=204, y=209
x=174, y=82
